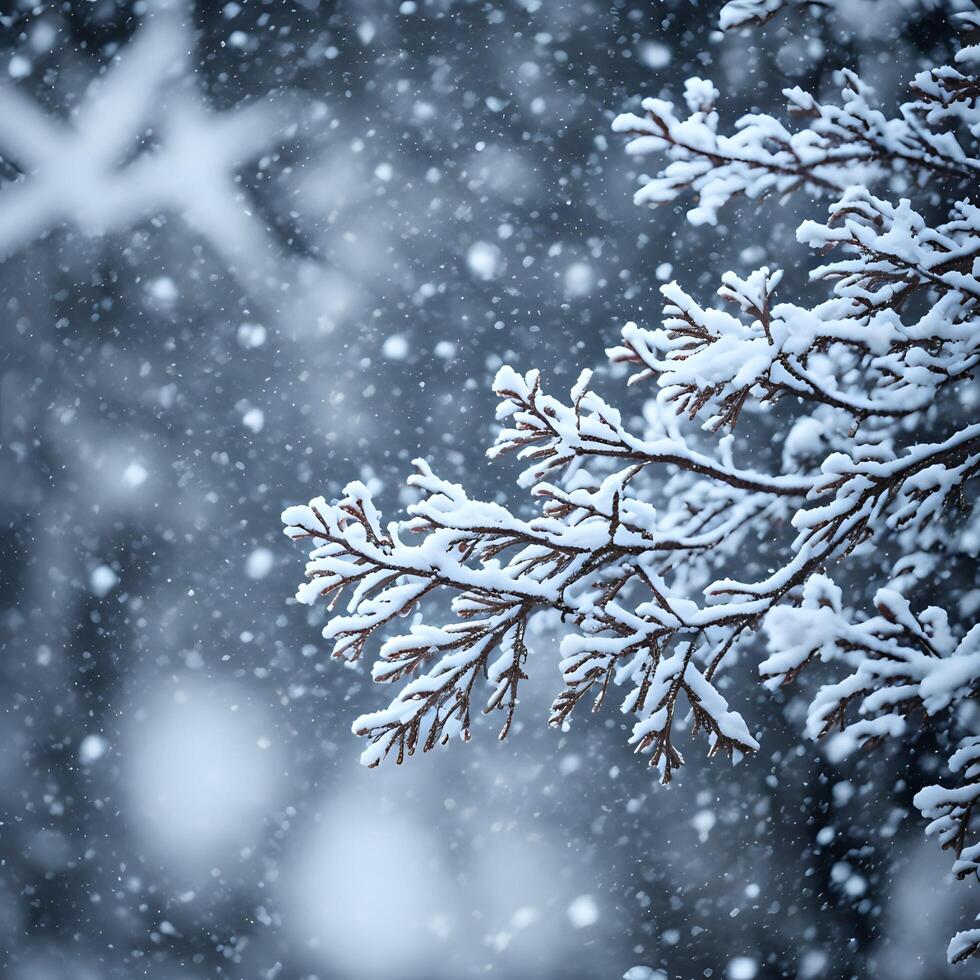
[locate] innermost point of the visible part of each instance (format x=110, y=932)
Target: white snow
x=254, y=420
x=163, y=290
x=654, y=54
x=19, y=66
x=483, y=260
x=91, y=749
x=198, y=787
x=703, y=821
x=80, y=175
x=583, y=912
x=579, y=279
x=135, y=474
x=742, y=968
x=395, y=347
x=259, y=563
x=340, y=866
x=251, y=334
x=102, y=580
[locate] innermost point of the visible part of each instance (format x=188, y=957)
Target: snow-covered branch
x=666, y=557
x=844, y=145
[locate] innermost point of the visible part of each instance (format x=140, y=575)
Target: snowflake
x=142, y=143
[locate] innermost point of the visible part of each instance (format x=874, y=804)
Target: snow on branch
x=951, y=809
x=904, y=663
x=584, y=552
x=553, y=436
x=666, y=557
x=753, y=13
x=853, y=143
x=888, y=351
x=737, y=14
x=710, y=362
